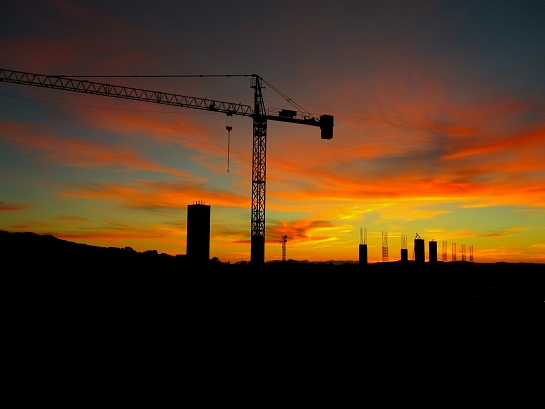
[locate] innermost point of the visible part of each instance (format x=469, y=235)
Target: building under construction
x=362, y=250
x=198, y=232
x=432, y=244
x=419, y=250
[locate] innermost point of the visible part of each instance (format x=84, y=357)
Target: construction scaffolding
x=384, y=246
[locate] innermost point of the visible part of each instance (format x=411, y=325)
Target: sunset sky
x=439, y=113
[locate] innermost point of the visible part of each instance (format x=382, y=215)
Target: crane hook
x=229, y=127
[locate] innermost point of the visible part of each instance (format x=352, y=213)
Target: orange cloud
x=528, y=141
x=122, y=234
x=69, y=151
x=538, y=246
x=10, y=206
x=499, y=235
x=304, y=231
x=108, y=233
x=20, y=226
x=156, y=195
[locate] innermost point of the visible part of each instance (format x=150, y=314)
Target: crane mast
x=258, y=113
x=259, y=168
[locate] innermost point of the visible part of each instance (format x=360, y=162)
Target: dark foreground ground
x=77, y=300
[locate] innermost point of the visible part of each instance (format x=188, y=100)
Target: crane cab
x=326, y=126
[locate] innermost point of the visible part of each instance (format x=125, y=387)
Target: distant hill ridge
x=37, y=241
x=29, y=242
x=34, y=253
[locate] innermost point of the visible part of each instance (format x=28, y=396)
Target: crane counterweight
x=326, y=126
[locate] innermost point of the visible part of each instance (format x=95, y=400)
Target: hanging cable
x=229, y=127
x=289, y=100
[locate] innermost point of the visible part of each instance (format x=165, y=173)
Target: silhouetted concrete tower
x=419, y=250
x=433, y=251
x=363, y=247
x=198, y=232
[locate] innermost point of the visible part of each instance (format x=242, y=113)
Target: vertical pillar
x=404, y=256
x=363, y=254
x=433, y=251
x=419, y=251
x=198, y=232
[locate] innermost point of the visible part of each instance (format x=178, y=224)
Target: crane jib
x=325, y=122
x=116, y=91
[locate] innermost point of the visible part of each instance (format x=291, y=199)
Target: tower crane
x=259, y=114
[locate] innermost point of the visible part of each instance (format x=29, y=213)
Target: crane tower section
x=259, y=169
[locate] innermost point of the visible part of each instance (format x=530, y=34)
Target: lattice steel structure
x=259, y=168
x=258, y=113
x=384, y=246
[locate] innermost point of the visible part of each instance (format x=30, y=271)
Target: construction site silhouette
x=160, y=286
x=83, y=305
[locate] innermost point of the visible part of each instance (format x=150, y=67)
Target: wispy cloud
x=499, y=235
x=73, y=219
x=538, y=246
x=507, y=232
